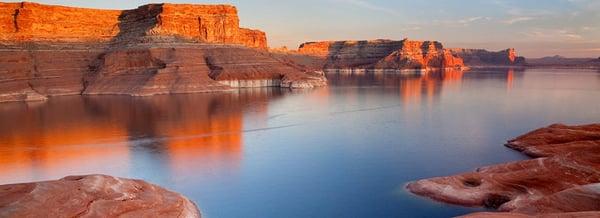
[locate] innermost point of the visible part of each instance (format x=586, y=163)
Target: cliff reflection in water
x=117, y=135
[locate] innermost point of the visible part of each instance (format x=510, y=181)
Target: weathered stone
x=565, y=179
x=93, y=196
x=382, y=54
x=206, y=23
x=154, y=49
x=481, y=57
x=404, y=54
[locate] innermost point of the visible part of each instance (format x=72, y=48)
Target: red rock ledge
x=563, y=180
x=93, y=196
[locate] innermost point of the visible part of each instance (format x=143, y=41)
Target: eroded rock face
x=481, y=57
x=404, y=54
x=564, y=179
x=382, y=54
x=154, y=49
x=206, y=23
x=93, y=196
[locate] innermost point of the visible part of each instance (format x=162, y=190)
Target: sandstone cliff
x=382, y=54
x=24, y=22
x=404, y=54
x=481, y=57
x=93, y=196
x=154, y=49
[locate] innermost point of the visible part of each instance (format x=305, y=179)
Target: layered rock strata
x=404, y=54
x=564, y=177
x=154, y=49
x=26, y=22
x=485, y=58
x=93, y=196
x=382, y=54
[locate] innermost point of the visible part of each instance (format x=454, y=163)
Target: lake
x=346, y=150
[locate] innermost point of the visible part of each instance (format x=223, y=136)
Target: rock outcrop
x=93, y=196
x=565, y=177
x=404, y=54
x=154, y=49
x=382, y=54
x=25, y=22
x=485, y=58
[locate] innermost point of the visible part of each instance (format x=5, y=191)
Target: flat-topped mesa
x=154, y=49
x=383, y=54
x=26, y=22
x=481, y=57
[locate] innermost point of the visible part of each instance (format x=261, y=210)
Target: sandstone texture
x=563, y=180
x=484, y=58
x=155, y=49
x=404, y=54
x=206, y=23
x=93, y=196
x=382, y=54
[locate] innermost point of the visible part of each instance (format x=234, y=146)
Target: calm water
x=342, y=151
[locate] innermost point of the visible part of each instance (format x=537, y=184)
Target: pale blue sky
x=534, y=27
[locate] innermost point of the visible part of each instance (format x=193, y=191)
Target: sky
x=536, y=28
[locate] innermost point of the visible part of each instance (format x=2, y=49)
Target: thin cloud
x=517, y=20
x=552, y=34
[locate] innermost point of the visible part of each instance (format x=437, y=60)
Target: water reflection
x=411, y=86
x=107, y=134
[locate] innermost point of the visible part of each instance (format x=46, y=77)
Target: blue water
x=346, y=150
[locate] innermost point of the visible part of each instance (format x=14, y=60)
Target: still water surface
x=341, y=151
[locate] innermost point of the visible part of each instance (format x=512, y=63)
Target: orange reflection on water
x=34, y=145
x=509, y=79
x=77, y=135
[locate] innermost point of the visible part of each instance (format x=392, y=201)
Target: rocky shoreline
x=93, y=196
x=562, y=180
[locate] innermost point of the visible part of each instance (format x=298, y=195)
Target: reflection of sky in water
x=345, y=150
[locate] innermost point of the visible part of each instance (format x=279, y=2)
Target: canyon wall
x=155, y=49
x=404, y=54
x=382, y=54
x=481, y=57
x=204, y=23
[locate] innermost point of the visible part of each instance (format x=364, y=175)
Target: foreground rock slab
x=93, y=196
x=563, y=180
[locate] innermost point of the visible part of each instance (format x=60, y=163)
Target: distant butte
x=563, y=180
x=404, y=54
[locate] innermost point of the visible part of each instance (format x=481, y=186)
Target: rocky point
x=93, y=196
x=563, y=180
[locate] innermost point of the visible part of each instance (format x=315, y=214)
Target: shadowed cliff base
x=564, y=180
x=154, y=49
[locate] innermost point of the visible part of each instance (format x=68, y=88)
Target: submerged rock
x=564, y=177
x=93, y=196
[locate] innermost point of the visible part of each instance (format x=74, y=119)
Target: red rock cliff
x=383, y=54
x=206, y=23
x=154, y=49
x=481, y=57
